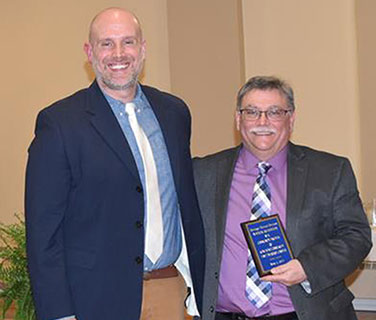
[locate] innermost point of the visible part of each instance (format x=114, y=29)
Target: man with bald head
x=113, y=225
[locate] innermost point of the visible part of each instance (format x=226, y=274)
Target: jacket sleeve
x=47, y=191
x=330, y=260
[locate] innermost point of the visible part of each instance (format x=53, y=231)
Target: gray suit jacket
x=326, y=226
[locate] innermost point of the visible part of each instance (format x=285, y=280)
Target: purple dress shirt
x=232, y=279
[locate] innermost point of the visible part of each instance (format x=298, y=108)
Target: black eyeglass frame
x=267, y=113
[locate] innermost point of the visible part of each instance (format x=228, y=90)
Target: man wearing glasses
x=316, y=197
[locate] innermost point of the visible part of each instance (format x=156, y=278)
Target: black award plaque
x=268, y=243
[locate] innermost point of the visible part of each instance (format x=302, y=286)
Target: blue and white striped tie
x=257, y=291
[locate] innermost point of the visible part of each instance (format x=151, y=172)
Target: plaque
x=268, y=243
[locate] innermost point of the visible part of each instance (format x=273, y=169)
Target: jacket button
x=216, y=275
x=211, y=309
x=139, y=224
x=138, y=260
x=138, y=189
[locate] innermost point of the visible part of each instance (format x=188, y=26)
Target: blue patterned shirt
x=146, y=118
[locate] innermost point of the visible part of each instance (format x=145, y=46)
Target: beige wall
x=203, y=51
x=42, y=61
x=207, y=66
x=312, y=45
x=366, y=27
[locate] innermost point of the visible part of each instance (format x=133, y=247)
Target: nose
x=118, y=50
x=263, y=119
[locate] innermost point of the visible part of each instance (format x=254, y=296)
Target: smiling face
x=116, y=51
x=262, y=137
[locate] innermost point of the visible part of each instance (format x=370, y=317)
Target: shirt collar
x=250, y=162
x=138, y=100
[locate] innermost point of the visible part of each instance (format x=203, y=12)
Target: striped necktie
x=154, y=225
x=259, y=292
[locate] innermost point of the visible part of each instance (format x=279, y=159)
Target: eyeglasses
x=273, y=114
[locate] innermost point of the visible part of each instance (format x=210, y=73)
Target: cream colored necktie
x=154, y=225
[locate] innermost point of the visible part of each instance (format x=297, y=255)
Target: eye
x=106, y=44
x=130, y=42
x=251, y=112
x=275, y=112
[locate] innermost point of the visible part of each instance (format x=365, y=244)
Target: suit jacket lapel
x=105, y=122
x=297, y=168
x=224, y=172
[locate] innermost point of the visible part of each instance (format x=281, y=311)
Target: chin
x=120, y=85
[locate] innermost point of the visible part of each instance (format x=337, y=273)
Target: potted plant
x=14, y=277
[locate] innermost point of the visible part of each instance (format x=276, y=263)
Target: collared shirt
x=146, y=118
x=232, y=280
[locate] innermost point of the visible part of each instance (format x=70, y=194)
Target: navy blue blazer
x=85, y=207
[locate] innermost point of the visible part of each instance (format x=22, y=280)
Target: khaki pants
x=163, y=299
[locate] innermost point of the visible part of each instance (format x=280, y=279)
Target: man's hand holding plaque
x=288, y=274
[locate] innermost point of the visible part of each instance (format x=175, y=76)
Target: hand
x=288, y=274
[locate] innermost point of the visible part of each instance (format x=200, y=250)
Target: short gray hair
x=267, y=83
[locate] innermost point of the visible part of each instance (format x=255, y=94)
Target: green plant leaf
x=14, y=278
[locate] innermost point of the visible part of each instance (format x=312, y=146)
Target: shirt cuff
x=66, y=318
x=306, y=286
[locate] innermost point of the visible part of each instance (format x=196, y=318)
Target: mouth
x=118, y=66
x=263, y=133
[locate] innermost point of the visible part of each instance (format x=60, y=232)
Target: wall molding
x=364, y=304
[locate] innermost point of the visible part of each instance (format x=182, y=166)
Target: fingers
x=281, y=269
x=288, y=274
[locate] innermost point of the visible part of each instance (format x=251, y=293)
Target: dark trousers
x=238, y=316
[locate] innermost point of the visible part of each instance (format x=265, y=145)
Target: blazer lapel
x=224, y=172
x=106, y=124
x=297, y=168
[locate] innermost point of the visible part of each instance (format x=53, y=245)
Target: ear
x=292, y=121
x=143, y=49
x=237, y=120
x=89, y=51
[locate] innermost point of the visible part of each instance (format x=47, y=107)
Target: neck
x=125, y=95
